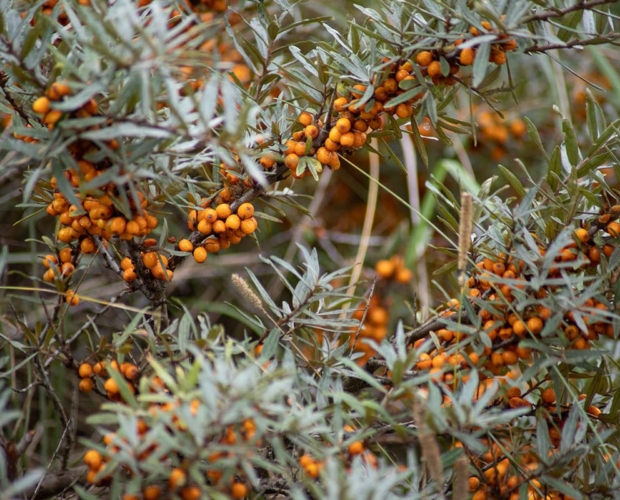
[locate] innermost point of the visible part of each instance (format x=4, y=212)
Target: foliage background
x=548, y=89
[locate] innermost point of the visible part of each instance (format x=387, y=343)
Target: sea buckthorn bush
x=309, y=250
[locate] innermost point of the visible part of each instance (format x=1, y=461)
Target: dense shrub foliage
x=264, y=249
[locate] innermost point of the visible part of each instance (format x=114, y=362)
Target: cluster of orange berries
x=497, y=478
x=61, y=266
x=374, y=327
x=88, y=371
x=312, y=467
x=96, y=214
x=57, y=91
x=302, y=146
x=178, y=480
x=493, y=283
x=498, y=49
x=220, y=226
x=376, y=317
x=495, y=131
x=246, y=433
x=393, y=269
x=356, y=117
x=154, y=262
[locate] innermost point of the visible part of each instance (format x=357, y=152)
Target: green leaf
x=512, y=179
x=418, y=142
x=570, y=140
x=532, y=132
x=554, y=169
x=481, y=63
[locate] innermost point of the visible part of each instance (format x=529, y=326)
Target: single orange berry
x=238, y=490
x=291, y=161
x=85, y=370
x=86, y=385
x=111, y=386
x=151, y=493
x=191, y=493
x=223, y=210
x=93, y=459
x=176, y=479
x=200, y=254
x=343, y=125
x=548, y=396
x=424, y=58
x=356, y=448
x=186, y=246
x=41, y=106
x=467, y=56
x=245, y=211
x=305, y=118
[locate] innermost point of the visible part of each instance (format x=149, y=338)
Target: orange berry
x=67, y=269
x=291, y=161
x=176, y=479
x=467, y=56
x=323, y=155
x=248, y=226
x=312, y=131
x=305, y=118
x=92, y=458
x=348, y=139
x=535, y=325
x=613, y=228
x=52, y=117
x=111, y=386
x=548, y=396
x=150, y=260
x=233, y=222
x=340, y=104
x=474, y=482
x=356, y=448
x=131, y=372
x=151, y=493
x=49, y=259
x=41, y=106
x=185, y=245
x=238, y=490
x=424, y=58
x=335, y=135
x=200, y=254
x=130, y=275
x=267, y=161
x=85, y=370
x=404, y=110
x=86, y=385
x=385, y=268
x=191, y=493
x=582, y=235
x=312, y=470
x=72, y=298
x=343, y=125
x=223, y=210
x=132, y=228
x=519, y=328
x=245, y=211
x=58, y=90
x=331, y=145
x=118, y=225
x=434, y=69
